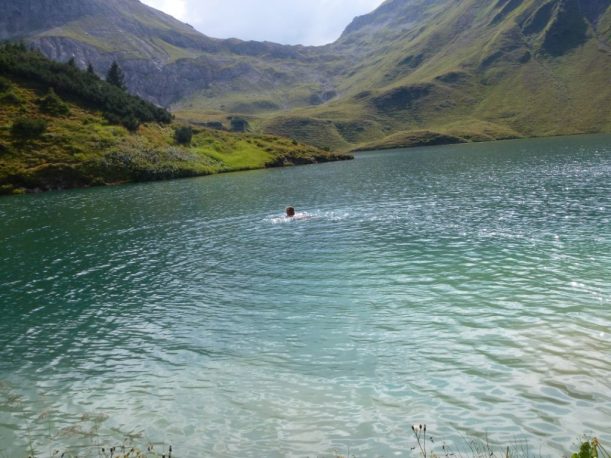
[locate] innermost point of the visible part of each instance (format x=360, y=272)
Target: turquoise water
x=467, y=287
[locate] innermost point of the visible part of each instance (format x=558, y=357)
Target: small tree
x=115, y=76
x=5, y=84
x=53, y=105
x=25, y=128
x=131, y=123
x=10, y=98
x=238, y=124
x=72, y=62
x=183, y=135
x=90, y=69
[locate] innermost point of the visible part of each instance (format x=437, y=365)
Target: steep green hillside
x=471, y=70
x=62, y=128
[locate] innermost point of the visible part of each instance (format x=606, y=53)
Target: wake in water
x=299, y=216
x=307, y=216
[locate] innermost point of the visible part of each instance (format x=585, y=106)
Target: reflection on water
x=466, y=287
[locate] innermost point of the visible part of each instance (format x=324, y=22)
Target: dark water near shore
x=467, y=287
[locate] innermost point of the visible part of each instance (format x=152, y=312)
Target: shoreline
x=467, y=142
x=279, y=162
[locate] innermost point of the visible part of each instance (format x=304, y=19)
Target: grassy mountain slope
x=411, y=72
x=52, y=142
x=473, y=70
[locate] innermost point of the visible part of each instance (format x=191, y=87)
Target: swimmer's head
x=290, y=212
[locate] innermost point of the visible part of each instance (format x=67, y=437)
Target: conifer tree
x=115, y=76
x=90, y=69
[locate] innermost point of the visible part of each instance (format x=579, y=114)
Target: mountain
x=61, y=127
x=411, y=72
x=164, y=60
x=439, y=71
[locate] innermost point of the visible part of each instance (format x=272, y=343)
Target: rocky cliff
x=164, y=60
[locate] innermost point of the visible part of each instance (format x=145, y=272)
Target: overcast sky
x=308, y=22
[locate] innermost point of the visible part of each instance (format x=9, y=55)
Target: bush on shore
x=53, y=105
x=183, y=135
x=27, y=129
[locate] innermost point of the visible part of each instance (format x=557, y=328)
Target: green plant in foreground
x=424, y=448
x=591, y=449
x=120, y=451
x=476, y=448
x=420, y=433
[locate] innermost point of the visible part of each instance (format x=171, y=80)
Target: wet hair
x=290, y=211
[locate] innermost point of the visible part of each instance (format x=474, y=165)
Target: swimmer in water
x=290, y=212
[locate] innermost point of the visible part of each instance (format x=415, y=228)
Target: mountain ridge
x=475, y=69
x=473, y=62
x=145, y=41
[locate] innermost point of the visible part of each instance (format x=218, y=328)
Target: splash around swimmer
x=293, y=215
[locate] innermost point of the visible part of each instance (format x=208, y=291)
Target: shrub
x=215, y=125
x=591, y=449
x=239, y=124
x=53, y=105
x=10, y=98
x=79, y=85
x=25, y=128
x=183, y=135
x=5, y=84
x=131, y=123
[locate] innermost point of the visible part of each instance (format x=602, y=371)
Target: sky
x=307, y=22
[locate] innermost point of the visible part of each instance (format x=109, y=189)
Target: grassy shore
x=61, y=127
x=82, y=149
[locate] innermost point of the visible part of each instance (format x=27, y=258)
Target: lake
x=466, y=287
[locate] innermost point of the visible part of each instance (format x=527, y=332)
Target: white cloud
x=175, y=8
x=309, y=22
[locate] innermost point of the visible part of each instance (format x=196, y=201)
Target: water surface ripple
x=467, y=287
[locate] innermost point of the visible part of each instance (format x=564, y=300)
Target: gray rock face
x=163, y=59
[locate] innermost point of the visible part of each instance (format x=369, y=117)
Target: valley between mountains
x=410, y=73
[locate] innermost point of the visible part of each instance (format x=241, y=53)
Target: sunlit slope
x=83, y=149
x=474, y=69
x=61, y=127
